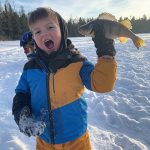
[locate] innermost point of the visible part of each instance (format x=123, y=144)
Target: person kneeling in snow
x=28, y=45
x=54, y=81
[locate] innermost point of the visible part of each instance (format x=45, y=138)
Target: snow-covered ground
x=119, y=120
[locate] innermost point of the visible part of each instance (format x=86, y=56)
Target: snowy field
x=119, y=120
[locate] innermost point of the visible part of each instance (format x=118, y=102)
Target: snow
x=119, y=120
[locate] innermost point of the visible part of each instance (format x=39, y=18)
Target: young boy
x=49, y=102
x=28, y=45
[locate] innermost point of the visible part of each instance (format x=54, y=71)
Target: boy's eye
x=37, y=32
x=50, y=27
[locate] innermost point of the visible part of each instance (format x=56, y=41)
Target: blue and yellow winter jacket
x=60, y=95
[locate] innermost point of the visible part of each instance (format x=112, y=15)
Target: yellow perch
x=112, y=29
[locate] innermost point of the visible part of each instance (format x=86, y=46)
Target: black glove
x=104, y=45
x=28, y=125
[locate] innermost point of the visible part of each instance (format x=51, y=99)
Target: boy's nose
x=44, y=32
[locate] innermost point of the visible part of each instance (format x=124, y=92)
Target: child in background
x=49, y=101
x=28, y=45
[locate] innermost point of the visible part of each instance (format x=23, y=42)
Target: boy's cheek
x=35, y=37
x=37, y=40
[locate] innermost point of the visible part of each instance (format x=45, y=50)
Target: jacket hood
x=64, y=31
x=66, y=53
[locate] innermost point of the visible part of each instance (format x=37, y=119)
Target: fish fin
x=123, y=39
x=138, y=42
x=107, y=16
x=126, y=23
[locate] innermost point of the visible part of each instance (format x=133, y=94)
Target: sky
x=87, y=9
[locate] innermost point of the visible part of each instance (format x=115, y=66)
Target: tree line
x=13, y=23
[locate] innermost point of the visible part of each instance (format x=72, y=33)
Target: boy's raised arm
x=102, y=76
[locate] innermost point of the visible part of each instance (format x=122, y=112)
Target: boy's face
x=47, y=35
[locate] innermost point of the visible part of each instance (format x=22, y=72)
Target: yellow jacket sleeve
x=104, y=75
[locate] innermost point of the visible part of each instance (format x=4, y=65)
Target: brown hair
x=41, y=13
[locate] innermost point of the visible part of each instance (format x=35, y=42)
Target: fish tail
x=138, y=42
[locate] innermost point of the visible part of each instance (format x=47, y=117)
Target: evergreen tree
x=1, y=31
x=23, y=21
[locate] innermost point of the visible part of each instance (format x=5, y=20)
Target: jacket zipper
x=51, y=118
x=52, y=86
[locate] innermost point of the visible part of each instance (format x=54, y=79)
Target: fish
x=112, y=29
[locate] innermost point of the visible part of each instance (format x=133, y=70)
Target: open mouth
x=49, y=44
